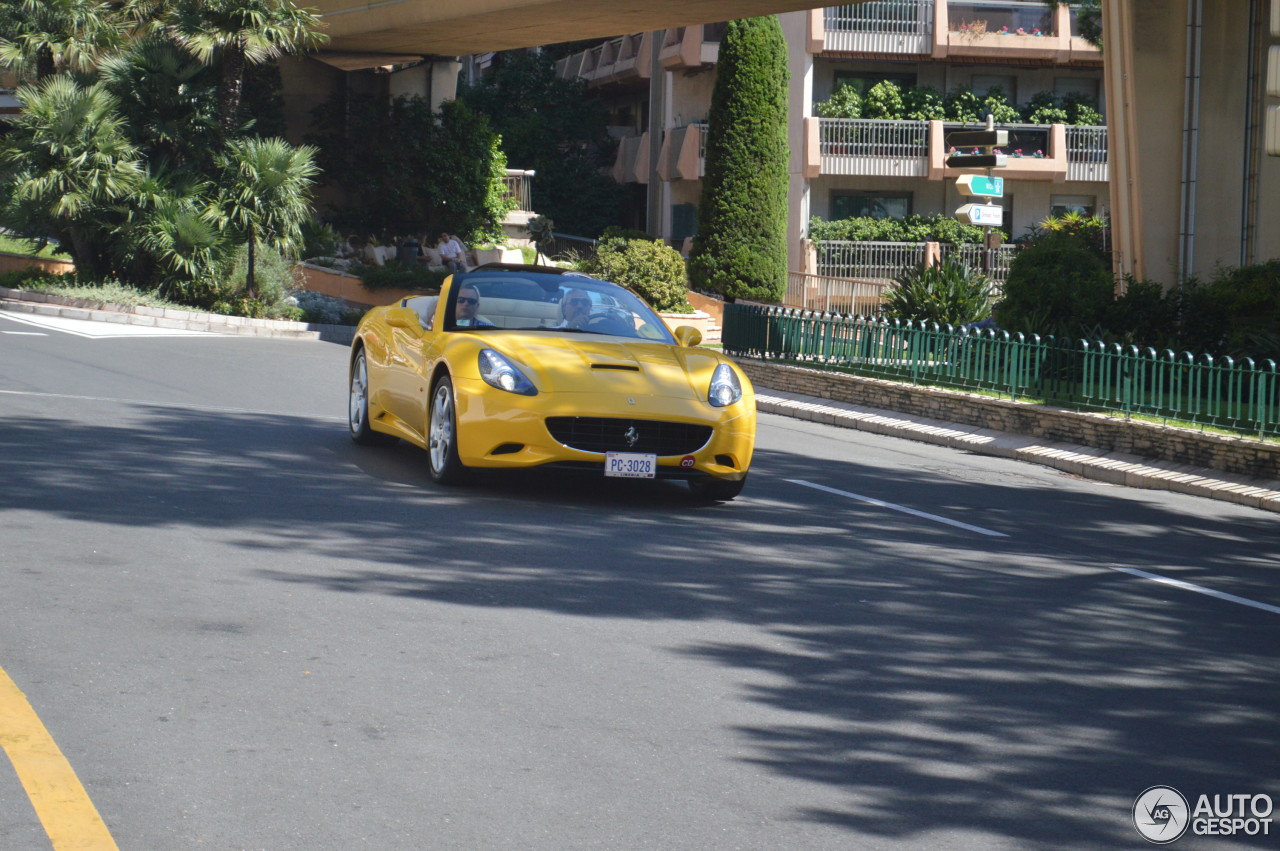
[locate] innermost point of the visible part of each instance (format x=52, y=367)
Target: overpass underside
x=370, y=33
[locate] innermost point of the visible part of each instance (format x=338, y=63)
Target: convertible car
x=515, y=366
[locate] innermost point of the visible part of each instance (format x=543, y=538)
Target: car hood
x=589, y=364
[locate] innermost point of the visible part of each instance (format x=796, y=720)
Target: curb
x=43, y=304
x=1127, y=470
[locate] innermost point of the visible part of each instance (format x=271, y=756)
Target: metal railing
x=1241, y=396
x=858, y=137
x=897, y=17
x=876, y=260
x=518, y=184
x=992, y=16
x=835, y=295
x=1086, y=144
x=992, y=262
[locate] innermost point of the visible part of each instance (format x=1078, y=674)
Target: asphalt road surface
x=244, y=632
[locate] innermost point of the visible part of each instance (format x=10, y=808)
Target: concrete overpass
x=369, y=31
x=1192, y=184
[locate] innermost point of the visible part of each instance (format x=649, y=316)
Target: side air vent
x=621, y=367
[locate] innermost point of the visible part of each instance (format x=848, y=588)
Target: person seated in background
x=467, y=311
x=371, y=253
x=452, y=252
x=575, y=309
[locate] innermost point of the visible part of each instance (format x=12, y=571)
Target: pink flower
x=1004, y=31
x=1021, y=31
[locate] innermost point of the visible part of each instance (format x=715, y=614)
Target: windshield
x=556, y=304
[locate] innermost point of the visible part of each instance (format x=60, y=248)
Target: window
x=684, y=221
x=862, y=81
x=980, y=84
x=1083, y=204
x=875, y=205
x=1063, y=86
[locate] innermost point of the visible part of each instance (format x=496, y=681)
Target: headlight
x=725, y=387
x=499, y=372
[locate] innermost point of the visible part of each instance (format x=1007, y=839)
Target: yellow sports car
x=516, y=366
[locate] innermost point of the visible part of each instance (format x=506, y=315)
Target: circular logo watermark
x=1161, y=815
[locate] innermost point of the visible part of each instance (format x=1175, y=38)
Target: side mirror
x=687, y=336
x=403, y=317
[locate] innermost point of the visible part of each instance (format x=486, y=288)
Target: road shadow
x=930, y=681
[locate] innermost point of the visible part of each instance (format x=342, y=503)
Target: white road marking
x=103, y=330
x=889, y=505
x=1198, y=589
x=25, y=333
x=1132, y=571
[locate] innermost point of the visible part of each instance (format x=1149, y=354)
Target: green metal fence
x=1238, y=395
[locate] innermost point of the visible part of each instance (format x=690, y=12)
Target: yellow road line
x=60, y=802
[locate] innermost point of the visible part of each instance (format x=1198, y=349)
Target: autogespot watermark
x=1162, y=815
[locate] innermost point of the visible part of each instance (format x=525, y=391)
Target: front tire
x=442, y=436
x=716, y=490
x=358, y=406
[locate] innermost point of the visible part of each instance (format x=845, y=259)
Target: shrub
x=845, y=102
x=1056, y=285
x=1044, y=108
x=394, y=276
x=949, y=294
x=964, y=105
x=273, y=276
x=884, y=101
x=911, y=229
x=654, y=270
x=1144, y=315
x=923, y=103
x=1235, y=313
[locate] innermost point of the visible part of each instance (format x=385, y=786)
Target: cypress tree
x=741, y=246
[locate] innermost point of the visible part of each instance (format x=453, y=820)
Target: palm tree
x=237, y=33
x=266, y=193
x=65, y=161
x=47, y=36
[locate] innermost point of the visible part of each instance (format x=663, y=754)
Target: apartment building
x=658, y=86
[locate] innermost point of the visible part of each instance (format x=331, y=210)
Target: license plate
x=630, y=465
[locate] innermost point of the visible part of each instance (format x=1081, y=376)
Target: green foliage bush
x=654, y=270
x=887, y=101
x=911, y=229
x=1235, y=313
x=394, y=276
x=845, y=102
x=1057, y=286
x=948, y=294
x=272, y=275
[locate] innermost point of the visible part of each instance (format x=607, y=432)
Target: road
x=243, y=631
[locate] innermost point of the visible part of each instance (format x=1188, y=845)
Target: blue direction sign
x=976, y=184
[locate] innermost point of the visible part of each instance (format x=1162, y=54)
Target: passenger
x=468, y=310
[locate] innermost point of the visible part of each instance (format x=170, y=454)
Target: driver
x=468, y=309
x=575, y=309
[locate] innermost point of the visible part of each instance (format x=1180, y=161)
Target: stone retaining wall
x=1229, y=453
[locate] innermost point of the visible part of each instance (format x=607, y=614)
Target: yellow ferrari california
x=517, y=366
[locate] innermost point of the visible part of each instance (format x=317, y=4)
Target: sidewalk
x=41, y=304
x=1082, y=461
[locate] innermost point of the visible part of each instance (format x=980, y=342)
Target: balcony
x=632, y=163
x=898, y=26
x=1000, y=30
x=690, y=48
x=620, y=60
x=683, y=155
x=871, y=148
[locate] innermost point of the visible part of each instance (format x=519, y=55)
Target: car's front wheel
x=358, y=406
x=442, y=436
x=716, y=490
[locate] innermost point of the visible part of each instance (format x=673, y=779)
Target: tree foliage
x=740, y=248
x=654, y=270
x=407, y=169
x=558, y=128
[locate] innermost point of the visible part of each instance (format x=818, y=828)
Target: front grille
x=607, y=434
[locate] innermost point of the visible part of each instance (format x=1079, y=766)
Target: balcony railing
x=884, y=261
x=518, y=184
x=1087, y=153
x=870, y=147
x=889, y=26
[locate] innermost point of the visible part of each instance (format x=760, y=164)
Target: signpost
x=984, y=144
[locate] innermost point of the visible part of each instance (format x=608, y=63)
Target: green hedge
x=938, y=227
